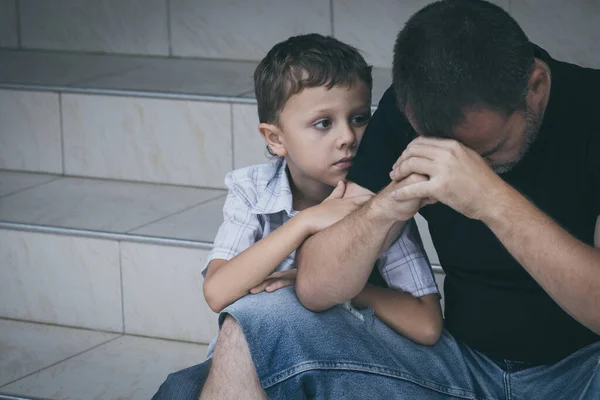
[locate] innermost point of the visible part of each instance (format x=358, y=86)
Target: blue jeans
x=345, y=353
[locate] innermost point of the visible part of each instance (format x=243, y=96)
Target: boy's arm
x=411, y=305
x=228, y=280
x=417, y=318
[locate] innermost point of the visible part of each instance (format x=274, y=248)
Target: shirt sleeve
x=241, y=228
x=404, y=265
x=385, y=138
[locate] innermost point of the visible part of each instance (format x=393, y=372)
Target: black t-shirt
x=492, y=303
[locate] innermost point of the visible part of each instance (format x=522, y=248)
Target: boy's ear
x=274, y=138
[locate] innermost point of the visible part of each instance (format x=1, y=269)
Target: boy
x=314, y=100
x=314, y=95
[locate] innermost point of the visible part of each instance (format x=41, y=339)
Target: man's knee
x=230, y=335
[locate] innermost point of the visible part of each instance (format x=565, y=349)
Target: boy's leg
x=345, y=353
x=577, y=377
x=232, y=372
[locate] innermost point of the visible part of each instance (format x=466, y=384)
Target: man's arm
x=334, y=265
x=566, y=268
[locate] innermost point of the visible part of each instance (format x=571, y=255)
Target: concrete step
x=41, y=361
x=144, y=119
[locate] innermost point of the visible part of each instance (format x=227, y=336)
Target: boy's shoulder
x=250, y=183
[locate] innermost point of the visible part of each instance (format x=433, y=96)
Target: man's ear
x=274, y=138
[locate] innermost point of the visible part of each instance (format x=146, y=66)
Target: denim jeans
x=344, y=353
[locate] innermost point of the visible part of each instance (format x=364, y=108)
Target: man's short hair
x=301, y=62
x=454, y=56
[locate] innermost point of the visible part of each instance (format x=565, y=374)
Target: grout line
x=175, y=213
x=29, y=187
x=169, y=28
x=121, y=278
x=53, y=324
x=62, y=134
x=18, y=24
x=61, y=361
x=331, y=20
x=232, y=137
x=32, y=187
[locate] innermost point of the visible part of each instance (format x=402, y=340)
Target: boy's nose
x=347, y=137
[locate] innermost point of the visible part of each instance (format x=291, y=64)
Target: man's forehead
x=480, y=128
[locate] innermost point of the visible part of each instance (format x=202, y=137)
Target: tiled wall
x=113, y=286
x=242, y=29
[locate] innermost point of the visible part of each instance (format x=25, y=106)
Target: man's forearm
x=334, y=265
x=566, y=268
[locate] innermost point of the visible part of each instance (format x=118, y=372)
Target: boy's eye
x=360, y=120
x=323, y=124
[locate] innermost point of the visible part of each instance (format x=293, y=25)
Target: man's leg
x=232, y=372
x=577, y=377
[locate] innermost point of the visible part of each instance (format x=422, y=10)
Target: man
x=498, y=145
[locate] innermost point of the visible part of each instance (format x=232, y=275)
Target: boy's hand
x=276, y=280
x=333, y=208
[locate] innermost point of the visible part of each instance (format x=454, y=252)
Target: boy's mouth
x=344, y=163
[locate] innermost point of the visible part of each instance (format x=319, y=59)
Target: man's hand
x=398, y=209
x=333, y=208
x=458, y=176
x=276, y=280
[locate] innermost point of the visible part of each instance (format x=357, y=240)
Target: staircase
x=118, y=123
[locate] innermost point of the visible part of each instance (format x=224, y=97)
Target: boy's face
x=321, y=129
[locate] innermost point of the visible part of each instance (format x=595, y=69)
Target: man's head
x=314, y=95
x=464, y=69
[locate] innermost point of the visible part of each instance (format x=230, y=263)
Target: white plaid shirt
x=260, y=200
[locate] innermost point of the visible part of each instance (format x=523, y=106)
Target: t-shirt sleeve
x=404, y=265
x=241, y=227
x=385, y=138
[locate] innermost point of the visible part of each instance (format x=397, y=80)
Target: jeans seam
x=372, y=369
x=507, y=387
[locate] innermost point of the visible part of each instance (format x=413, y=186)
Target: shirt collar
x=276, y=196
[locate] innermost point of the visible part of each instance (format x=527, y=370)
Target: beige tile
x=8, y=24
x=26, y=348
x=373, y=26
x=99, y=205
x=199, y=223
x=30, y=131
x=11, y=182
x=59, y=279
x=162, y=293
x=148, y=140
x=129, y=368
x=112, y=26
x=240, y=29
x=569, y=31
x=248, y=145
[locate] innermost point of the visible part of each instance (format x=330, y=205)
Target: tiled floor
x=53, y=362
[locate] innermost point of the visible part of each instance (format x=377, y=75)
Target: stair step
x=53, y=362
